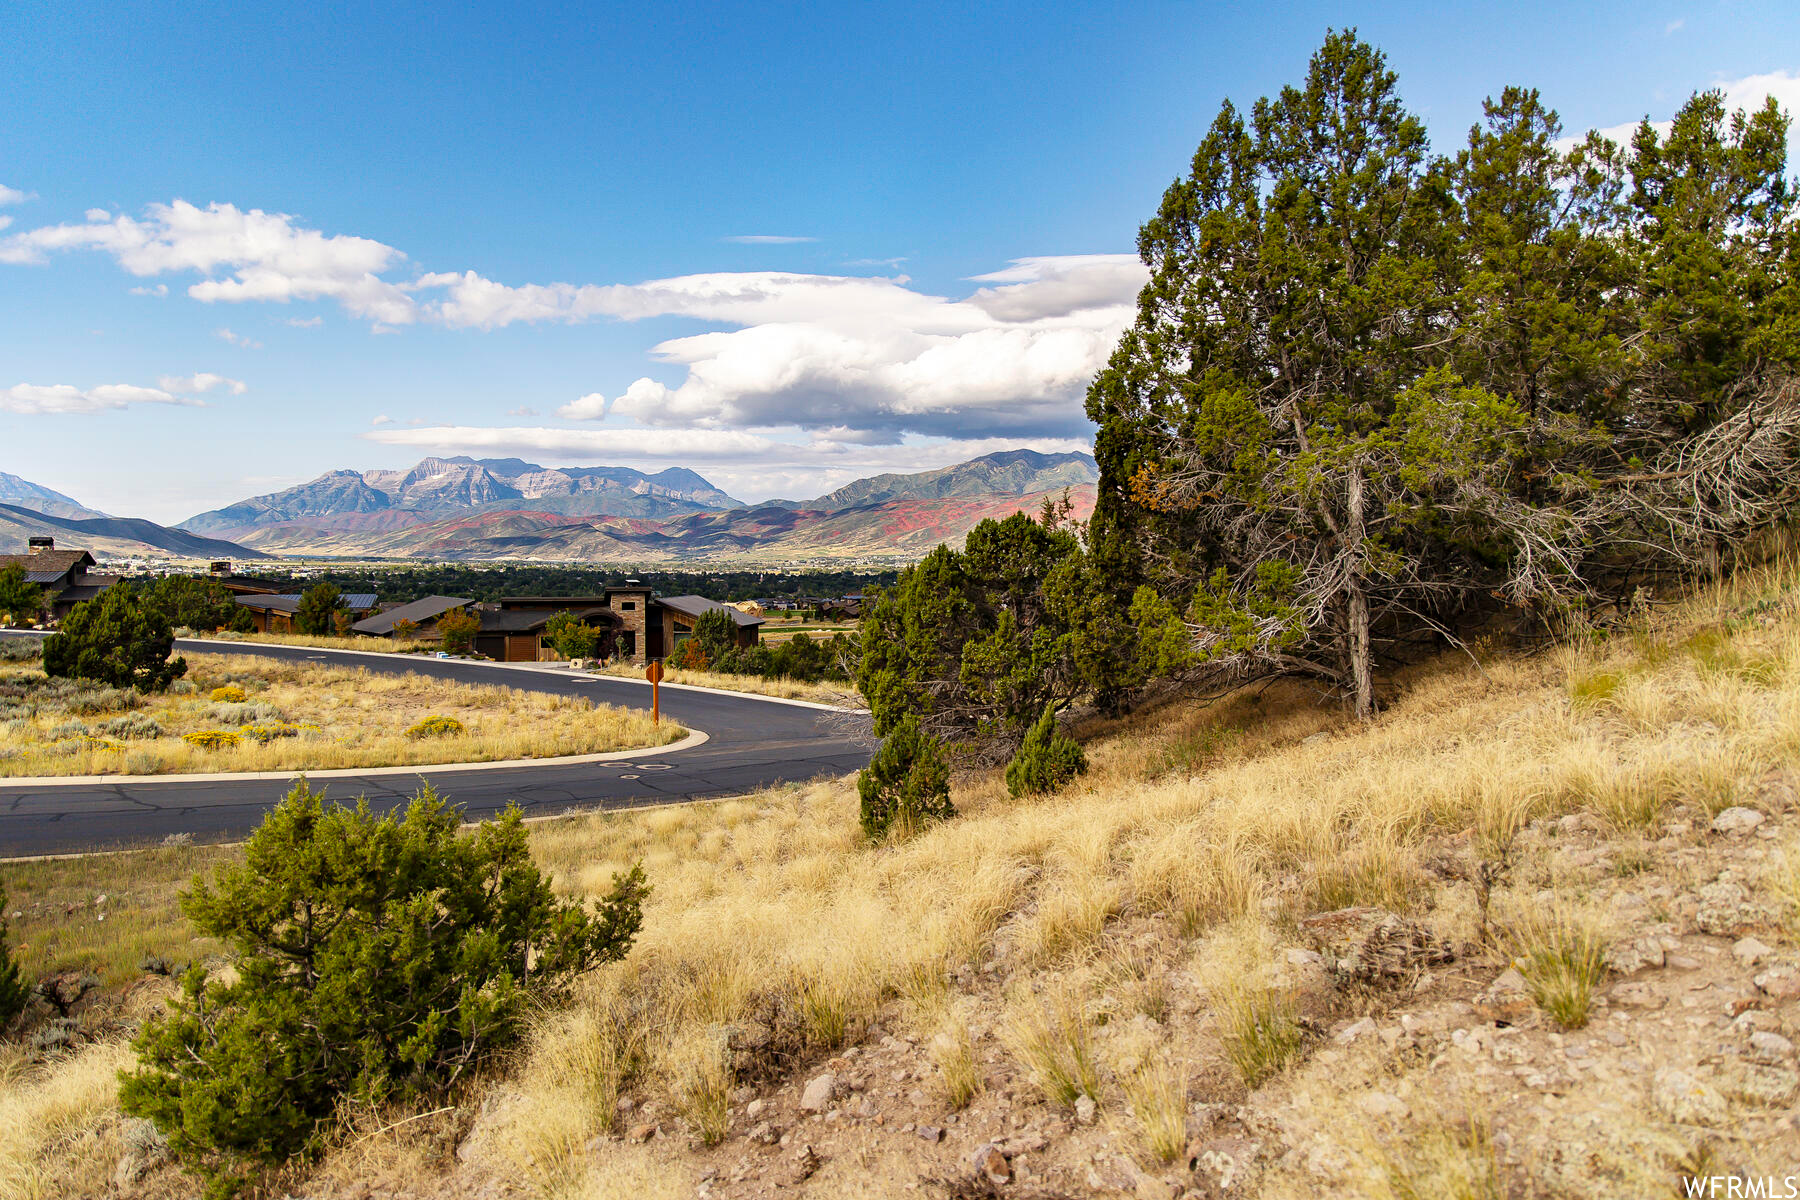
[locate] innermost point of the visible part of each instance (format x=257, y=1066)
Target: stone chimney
x=39, y=545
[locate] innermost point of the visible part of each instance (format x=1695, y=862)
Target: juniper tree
x=115, y=638
x=974, y=643
x=319, y=607
x=1368, y=390
x=375, y=958
x=20, y=600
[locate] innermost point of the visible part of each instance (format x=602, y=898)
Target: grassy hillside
x=1529, y=933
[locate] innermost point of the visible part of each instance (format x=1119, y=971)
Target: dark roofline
x=693, y=606
x=423, y=609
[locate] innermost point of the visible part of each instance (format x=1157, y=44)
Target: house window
x=627, y=605
x=628, y=643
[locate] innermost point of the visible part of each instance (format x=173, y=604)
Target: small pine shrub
x=115, y=639
x=213, y=739
x=376, y=959
x=231, y=693
x=906, y=785
x=1046, y=760
x=691, y=656
x=438, y=726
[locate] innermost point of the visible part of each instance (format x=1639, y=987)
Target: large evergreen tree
x=318, y=609
x=1369, y=390
x=115, y=638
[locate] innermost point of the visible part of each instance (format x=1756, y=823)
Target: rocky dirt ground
x=1427, y=1070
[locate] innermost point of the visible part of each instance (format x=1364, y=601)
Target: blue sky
x=784, y=245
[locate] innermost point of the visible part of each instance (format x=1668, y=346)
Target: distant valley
x=485, y=509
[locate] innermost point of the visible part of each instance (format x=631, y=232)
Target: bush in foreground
x=906, y=785
x=376, y=959
x=115, y=639
x=435, y=726
x=1047, y=759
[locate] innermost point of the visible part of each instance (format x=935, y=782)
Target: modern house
x=642, y=624
x=64, y=575
x=423, y=614
x=676, y=616
x=275, y=613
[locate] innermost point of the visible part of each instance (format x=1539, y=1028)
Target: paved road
x=752, y=744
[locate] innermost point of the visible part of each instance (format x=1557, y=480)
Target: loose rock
x=990, y=1163
x=1687, y=1100
x=819, y=1093
x=1506, y=999
x=1737, y=821
x=1749, y=952
x=1628, y=958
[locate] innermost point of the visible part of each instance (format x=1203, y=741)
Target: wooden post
x=654, y=673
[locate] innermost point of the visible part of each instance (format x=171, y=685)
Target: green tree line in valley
x=403, y=583
x=1374, y=397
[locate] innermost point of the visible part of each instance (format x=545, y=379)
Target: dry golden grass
x=844, y=695
x=953, y=1053
x=1157, y=1095
x=307, y=717
x=59, y=1128
x=772, y=908
x=106, y=914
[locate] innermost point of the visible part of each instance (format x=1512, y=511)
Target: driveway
x=752, y=742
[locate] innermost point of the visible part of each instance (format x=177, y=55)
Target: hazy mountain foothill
x=111, y=537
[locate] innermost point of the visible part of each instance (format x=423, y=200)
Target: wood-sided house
x=276, y=613
x=66, y=576
x=641, y=624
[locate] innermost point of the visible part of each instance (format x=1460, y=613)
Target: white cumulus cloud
x=32, y=399
x=591, y=407
x=236, y=339
x=873, y=354
x=245, y=254
x=203, y=381
x=12, y=195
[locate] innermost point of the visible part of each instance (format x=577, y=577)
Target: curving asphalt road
x=752, y=743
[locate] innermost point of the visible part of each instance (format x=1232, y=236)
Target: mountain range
x=479, y=509
x=110, y=537
x=437, y=486
x=40, y=499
